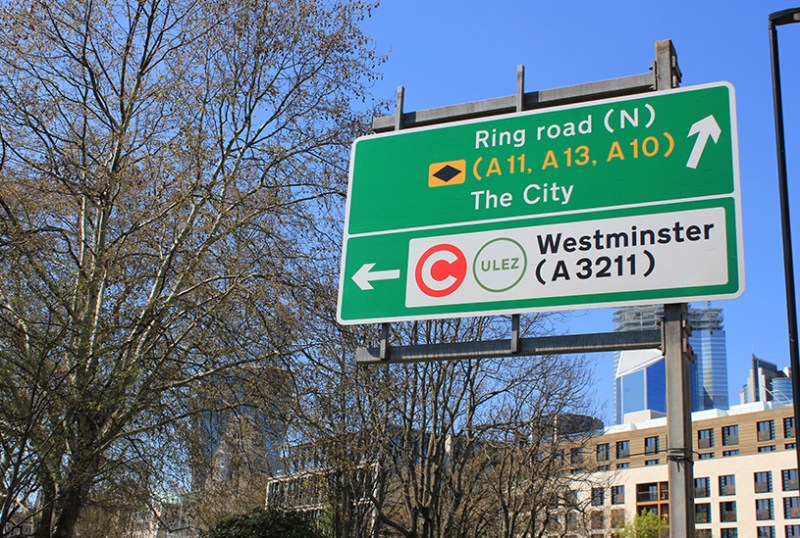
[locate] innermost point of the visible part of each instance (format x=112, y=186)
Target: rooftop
x=633, y=422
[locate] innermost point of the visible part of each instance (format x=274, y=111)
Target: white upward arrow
x=705, y=128
x=365, y=276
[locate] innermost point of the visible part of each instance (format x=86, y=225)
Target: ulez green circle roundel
x=499, y=265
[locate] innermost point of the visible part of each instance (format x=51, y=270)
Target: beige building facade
x=746, y=482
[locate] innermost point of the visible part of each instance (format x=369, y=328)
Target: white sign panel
x=634, y=253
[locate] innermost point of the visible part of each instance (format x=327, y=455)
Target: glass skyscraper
x=640, y=376
x=766, y=383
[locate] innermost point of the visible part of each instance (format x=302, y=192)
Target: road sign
x=624, y=201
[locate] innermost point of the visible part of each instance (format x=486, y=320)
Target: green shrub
x=269, y=523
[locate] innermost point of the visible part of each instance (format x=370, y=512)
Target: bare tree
x=459, y=422
x=164, y=165
x=233, y=440
x=536, y=457
x=455, y=449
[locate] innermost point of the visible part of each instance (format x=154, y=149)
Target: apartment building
x=745, y=476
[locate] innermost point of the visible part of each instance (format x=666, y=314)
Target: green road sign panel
x=623, y=201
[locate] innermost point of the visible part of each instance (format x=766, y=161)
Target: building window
x=576, y=456
x=764, y=509
x=790, y=446
x=572, y=521
x=705, y=438
x=763, y=481
x=702, y=513
x=702, y=533
x=728, y=453
x=571, y=497
x=598, y=496
x=729, y=533
x=647, y=493
x=702, y=487
x=727, y=484
x=623, y=449
x=603, y=467
x=597, y=520
x=767, y=448
x=651, y=445
x=623, y=465
x=792, y=531
x=652, y=492
x=602, y=452
x=791, y=507
x=617, y=494
x=706, y=456
x=554, y=524
x=789, y=479
x=765, y=532
x=788, y=427
x=765, y=430
x=617, y=518
x=730, y=435
x=727, y=511
x=651, y=462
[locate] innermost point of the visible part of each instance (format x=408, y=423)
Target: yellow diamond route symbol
x=447, y=173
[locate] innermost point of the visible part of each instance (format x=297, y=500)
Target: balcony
x=704, y=443
x=728, y=489
x=597, y=521
x=701, y=492
x=763, y=514
x=727, y=516
x=731, y=440
x=647, y=496
x=765, y=436
x=762, y=487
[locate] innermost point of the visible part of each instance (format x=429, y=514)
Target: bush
x=270, y=523
x=645, y=525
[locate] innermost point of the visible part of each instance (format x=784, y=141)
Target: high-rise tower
x=766, y=383
x=640, y=376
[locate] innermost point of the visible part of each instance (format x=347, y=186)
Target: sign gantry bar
x=526, y=347
x=532, y=100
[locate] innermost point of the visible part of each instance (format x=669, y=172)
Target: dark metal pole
x=778, y=18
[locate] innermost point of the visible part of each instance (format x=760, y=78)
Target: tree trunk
x=73, y=498
x=46, y=505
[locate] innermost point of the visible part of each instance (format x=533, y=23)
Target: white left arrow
x=365, y=276
x=704, y=129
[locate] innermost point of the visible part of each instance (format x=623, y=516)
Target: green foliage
x=647, y=524
x=270, y=523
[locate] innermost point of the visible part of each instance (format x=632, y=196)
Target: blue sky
x=446, y=52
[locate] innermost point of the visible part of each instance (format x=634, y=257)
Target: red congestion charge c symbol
x=441, y=270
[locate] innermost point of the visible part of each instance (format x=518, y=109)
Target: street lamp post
x=779, y=18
